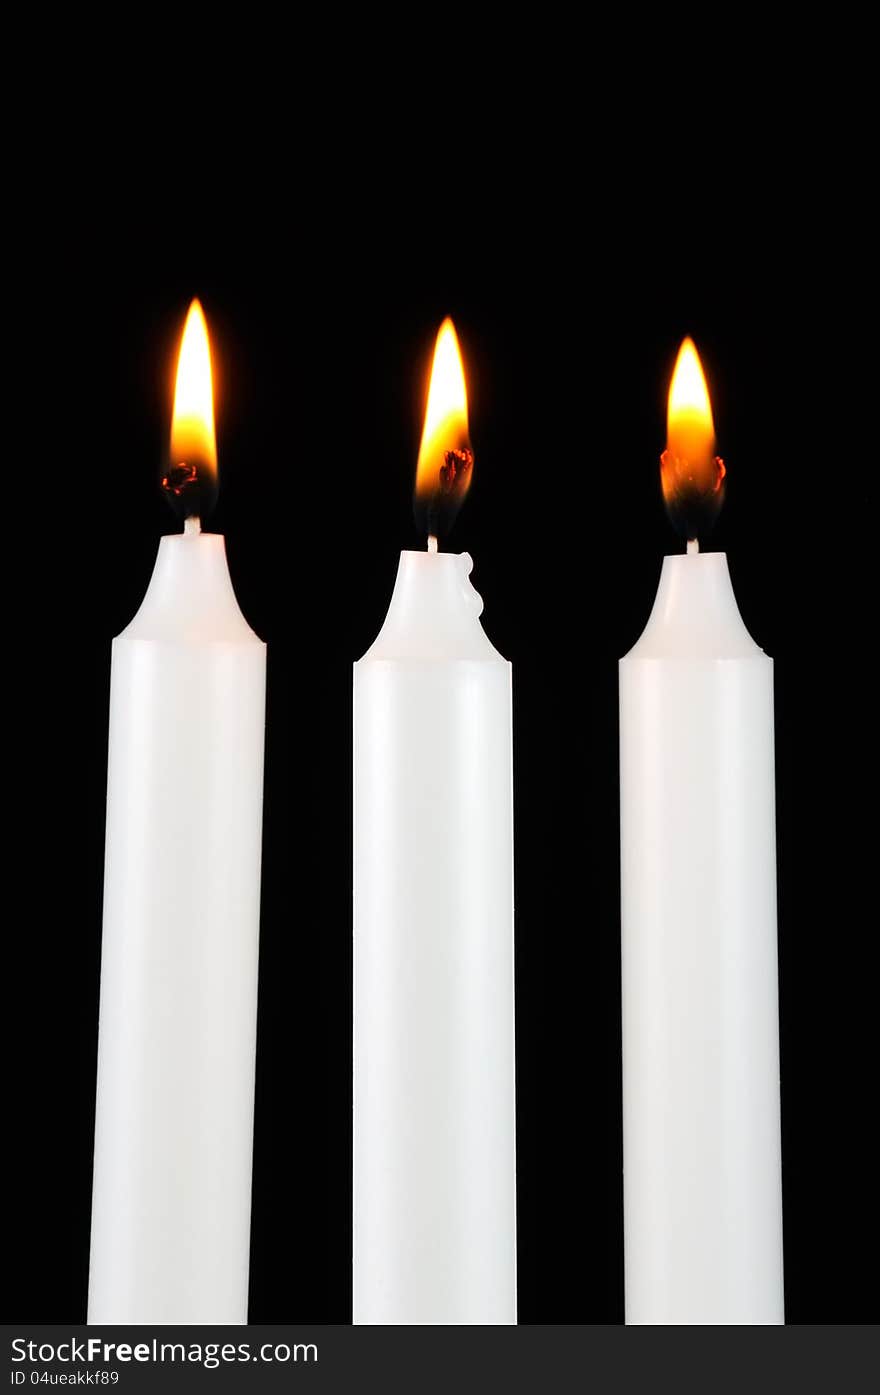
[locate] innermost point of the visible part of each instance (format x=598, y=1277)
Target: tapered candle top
x=190, y=482
x=691, y=474
x=445, y=456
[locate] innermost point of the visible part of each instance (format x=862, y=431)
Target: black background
x=322, y=335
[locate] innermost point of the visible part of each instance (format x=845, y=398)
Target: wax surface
x=174, y=1127
x=702, y=1172
x=434, y=1138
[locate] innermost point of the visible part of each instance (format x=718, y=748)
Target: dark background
x=322, y=338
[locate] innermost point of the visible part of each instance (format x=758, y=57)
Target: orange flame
x=443, y=473
x=691, y=474
x=193, y=442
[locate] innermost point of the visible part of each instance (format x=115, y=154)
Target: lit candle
x=434, y=1172
x=174, y=1127
x=702, y=1178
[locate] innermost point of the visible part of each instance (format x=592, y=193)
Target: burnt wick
x=455, y=467
x=179, y=479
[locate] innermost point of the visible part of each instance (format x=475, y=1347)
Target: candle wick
x=432, y=543
x=693, y=546
x=192, y=527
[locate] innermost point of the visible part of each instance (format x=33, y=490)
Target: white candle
x=174, y=1126
x=434, y=1124
x=702, y=1174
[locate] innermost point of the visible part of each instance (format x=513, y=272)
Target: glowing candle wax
x=174, y=1127
x=702, y=1178
x=434, y=1171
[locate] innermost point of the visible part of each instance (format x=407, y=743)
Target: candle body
x=434, y=1125
x=174, y=1121
x=702, y=1169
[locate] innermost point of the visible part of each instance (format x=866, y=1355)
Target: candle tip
x=432, y=543
x=693, y=546
x=192, y=526
x=190, y=477
x=691, y=474
x=445, y=464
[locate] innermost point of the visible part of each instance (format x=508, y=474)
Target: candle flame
x=691, y=474
x=443, y=474
x=193, y=442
